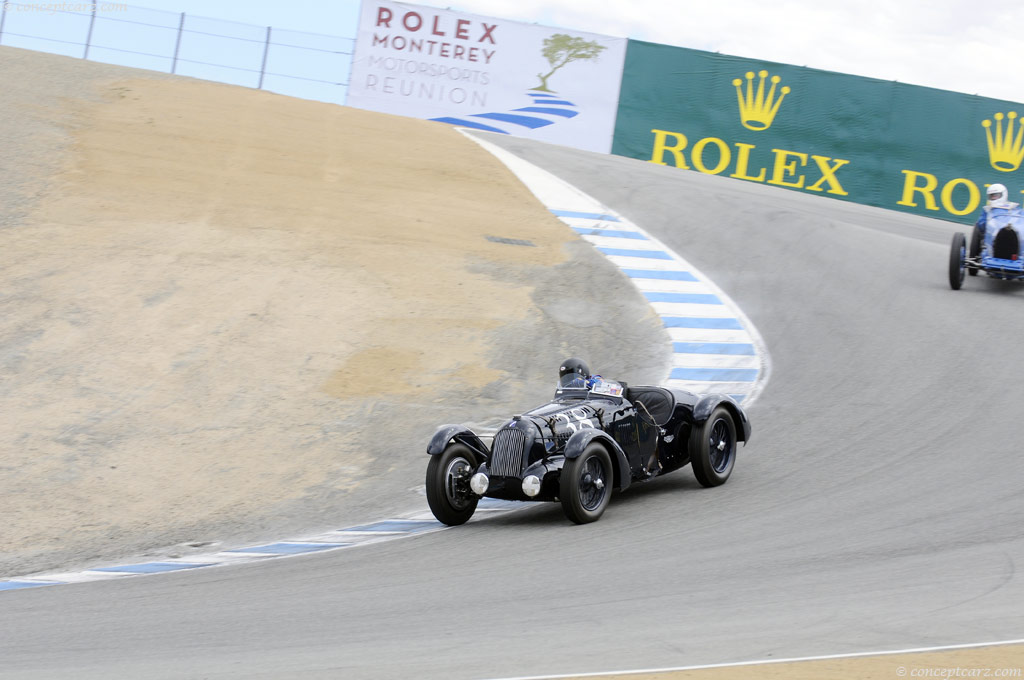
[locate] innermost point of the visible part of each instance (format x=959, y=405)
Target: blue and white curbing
x=421, y=522
x=715, y=347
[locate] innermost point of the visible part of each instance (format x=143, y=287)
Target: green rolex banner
x=869, y=141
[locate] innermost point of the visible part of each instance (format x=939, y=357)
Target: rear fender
x=702, y=411
x=579, y=441
x=446, y=433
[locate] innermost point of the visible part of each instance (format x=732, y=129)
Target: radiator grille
x=1006, y=244
x=507, y=453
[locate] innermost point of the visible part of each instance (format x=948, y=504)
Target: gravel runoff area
x=229, y=316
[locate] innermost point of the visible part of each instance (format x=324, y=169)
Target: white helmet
x=997, y=194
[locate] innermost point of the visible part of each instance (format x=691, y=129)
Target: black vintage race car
x=594, y=436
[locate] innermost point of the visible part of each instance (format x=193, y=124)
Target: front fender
x=703, y=408
x=445, y=433
x=579, y=441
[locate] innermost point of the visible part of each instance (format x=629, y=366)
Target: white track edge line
x=765, y=662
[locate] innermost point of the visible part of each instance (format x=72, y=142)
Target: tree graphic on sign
x=560, y=49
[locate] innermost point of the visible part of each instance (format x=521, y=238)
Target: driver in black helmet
x=573, y=373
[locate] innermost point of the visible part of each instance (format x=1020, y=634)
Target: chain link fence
x=299, y=64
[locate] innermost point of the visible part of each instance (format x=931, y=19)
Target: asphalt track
x=877, y=506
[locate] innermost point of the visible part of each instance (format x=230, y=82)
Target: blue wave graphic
x=548, y=109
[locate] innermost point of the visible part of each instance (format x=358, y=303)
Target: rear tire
x=585, y=485
x=448, y=493
x=957, y=253
x=713, y=448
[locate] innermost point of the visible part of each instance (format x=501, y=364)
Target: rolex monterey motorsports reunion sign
x=490, y=74
x=875, y=142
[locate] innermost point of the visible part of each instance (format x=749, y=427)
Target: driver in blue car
x=998, y=197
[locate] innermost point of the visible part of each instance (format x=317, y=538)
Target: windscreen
x=571, y=380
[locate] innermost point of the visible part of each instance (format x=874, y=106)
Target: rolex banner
x=553, y=85
x=876, y=142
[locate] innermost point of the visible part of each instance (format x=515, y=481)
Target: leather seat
x=658, y=402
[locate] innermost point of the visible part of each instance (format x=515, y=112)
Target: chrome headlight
x=531, y=485
x=479, y=483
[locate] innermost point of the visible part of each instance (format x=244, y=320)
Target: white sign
x=479, y=72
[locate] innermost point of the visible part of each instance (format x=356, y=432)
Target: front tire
x=448, y=493
x=957, y=253
x=585, y=485
x=713, y=448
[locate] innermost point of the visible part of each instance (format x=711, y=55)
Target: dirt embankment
x=223, y=310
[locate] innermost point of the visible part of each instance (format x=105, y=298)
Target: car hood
x=571, y=415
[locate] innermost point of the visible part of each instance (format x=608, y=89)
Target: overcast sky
x=971, y=47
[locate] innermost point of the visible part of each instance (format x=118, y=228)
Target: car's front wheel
x=957, y=253
x=713, y=448
x=585, y=486
x=448, y=492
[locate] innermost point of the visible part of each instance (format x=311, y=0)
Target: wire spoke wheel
x=722, y=445
x=593, y=486
x=586, y=484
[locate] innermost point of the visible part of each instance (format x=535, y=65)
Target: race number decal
x=577, y=419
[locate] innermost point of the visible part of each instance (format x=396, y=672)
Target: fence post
x=177, y=43
x=263, y=68
x=351, y=64
x=3, y=16
x=88, y=38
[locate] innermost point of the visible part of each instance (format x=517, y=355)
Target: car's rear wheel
x=448, y=492
x=585, y=486
x=713, y=448
x=957, y=253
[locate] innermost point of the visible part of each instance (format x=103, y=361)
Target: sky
x=955, y=45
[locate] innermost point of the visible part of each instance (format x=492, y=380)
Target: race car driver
x=998, y=197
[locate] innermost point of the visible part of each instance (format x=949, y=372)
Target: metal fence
x=299, y=64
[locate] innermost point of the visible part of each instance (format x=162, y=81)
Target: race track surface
x=877, y=505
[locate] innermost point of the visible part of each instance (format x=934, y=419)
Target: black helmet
x=572, y=371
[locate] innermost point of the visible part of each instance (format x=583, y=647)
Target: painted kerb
x=715, y=348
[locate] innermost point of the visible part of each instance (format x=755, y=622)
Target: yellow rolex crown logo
x=1005, y=151
x=757, y=111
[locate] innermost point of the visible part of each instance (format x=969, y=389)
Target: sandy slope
x=216, y=301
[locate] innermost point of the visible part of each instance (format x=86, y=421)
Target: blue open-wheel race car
x=997, y=253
